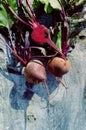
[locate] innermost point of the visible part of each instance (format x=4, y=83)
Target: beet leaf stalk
x=14, y=52
x=65, y=32
x=40, y=34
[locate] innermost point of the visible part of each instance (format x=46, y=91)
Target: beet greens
x=23, y=25
x=38, y=37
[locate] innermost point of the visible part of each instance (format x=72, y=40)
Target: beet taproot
x=58, y=66
x=34, y=72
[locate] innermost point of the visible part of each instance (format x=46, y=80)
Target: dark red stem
x=21, y=20
x=28, y=5
x=15, y=53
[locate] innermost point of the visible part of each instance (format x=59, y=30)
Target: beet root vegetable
x=41, y=36
x=58, y=66
x=35, y=72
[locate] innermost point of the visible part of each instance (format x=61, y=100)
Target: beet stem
x=31, y=11
x=51, y=43
x=62, y=8
x=13, y=51
x=21, y=20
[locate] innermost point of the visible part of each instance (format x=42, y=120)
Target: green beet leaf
x=55, y=4
x=3, y=17
x=6, y=19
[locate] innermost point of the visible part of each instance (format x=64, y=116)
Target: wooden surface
x=21, y=109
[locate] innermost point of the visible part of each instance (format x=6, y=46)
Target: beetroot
x=35, y=72
x=58, y=66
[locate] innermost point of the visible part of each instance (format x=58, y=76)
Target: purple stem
x=31, y=47
x=64, y=34
x=21, y=20
x=49, y=56
x=20, y=59
x=28, y=5
x=20, y=1
x=51, y=43
x=65, y=37
x=62, y=8
x=14, y=52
